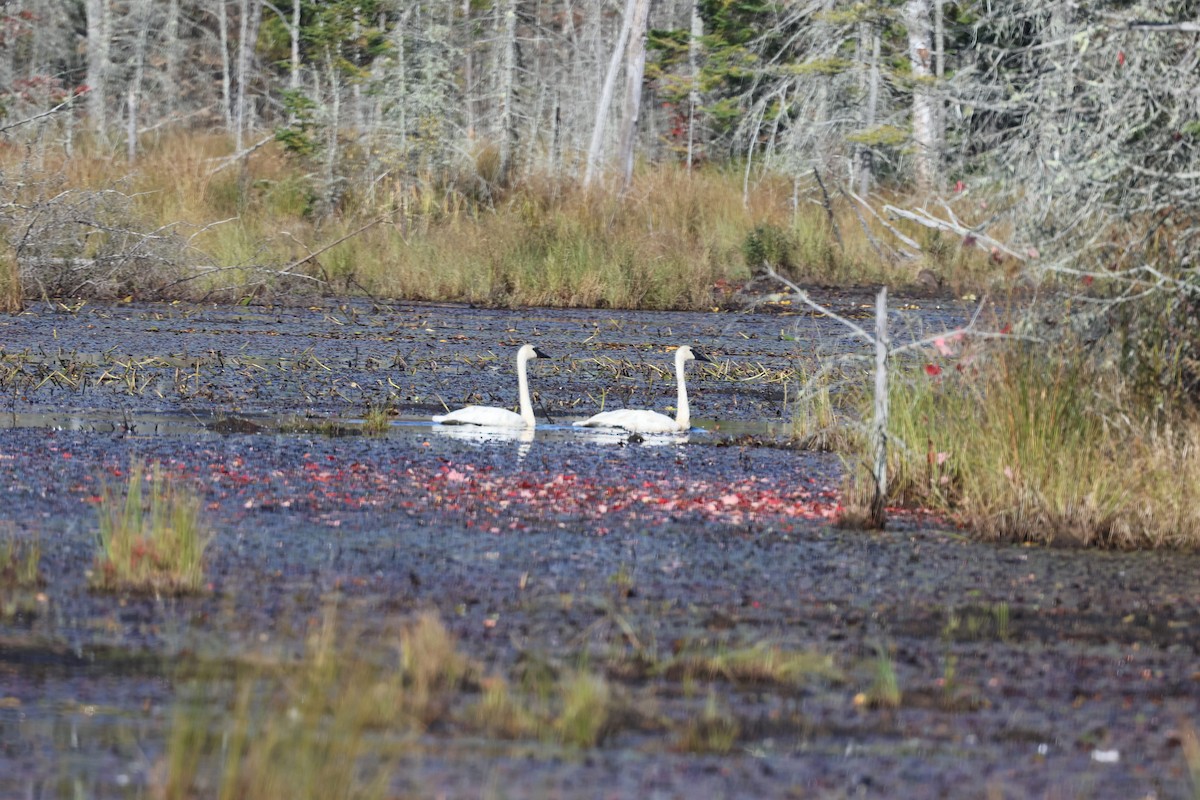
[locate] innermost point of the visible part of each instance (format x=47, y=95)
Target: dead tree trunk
x=865, y=156
x=98, y=40
x=920, y=49
x=879, y=425
x=635, y=71
x=606, y=93
x=508, y=92
x=694, y=76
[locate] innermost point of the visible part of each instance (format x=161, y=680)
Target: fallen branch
x=804, y=298
x=230, y=160
x=923, y=217
x=908, y=240
x=336, y=242
x=46, y=113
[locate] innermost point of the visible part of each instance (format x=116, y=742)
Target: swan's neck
x=683, y=415
x=523, y=388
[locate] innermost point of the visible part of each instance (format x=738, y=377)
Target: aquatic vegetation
x=586, y=701
x=378, y=418
x=308, y=731
x=714, y=730
x=151, y=536
x=1018, y=445
x=884, y=691
x=20, y=561
x=758, y=664
x=20, y=575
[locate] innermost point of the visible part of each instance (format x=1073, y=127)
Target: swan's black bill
x=537, y=351
x=700, y=356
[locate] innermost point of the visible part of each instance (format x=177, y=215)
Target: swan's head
x=688, y=353
x=528, y=351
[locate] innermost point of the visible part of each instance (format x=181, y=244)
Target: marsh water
x=1023, y=671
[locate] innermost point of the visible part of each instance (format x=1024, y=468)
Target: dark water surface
x=1024, y=671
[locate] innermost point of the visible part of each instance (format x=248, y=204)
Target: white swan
x=642, y=421
x=493, y=417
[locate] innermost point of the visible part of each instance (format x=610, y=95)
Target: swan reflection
x=482, y=434
x=619, y=436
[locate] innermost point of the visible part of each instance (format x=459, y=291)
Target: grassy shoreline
x=184, y=223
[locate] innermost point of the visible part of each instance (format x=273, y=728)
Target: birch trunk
x=250, y=12
x=697, y=33
x=98, y=24
x=879, y=425
x=226, y=70
x=635, y=72
x=174, y=48
x=468, y=70
x=939, y=55
x=596, y=149
x=916, y=21
x=864, y=151
x=141, y=20
x=507, y=126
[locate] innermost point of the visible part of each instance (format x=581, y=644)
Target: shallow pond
x=1021, y=670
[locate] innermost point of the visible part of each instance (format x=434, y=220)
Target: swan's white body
x=642, y=421
x=492, y=417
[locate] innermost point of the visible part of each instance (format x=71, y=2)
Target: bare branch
x=804, y=298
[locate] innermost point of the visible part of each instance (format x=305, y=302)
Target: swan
x=642, y=421
x=493, y=417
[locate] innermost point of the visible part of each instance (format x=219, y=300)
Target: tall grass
x=151, y=538
x=337, y=721
x=10, y=278
x=1032, y=446
x=666, y=243
x=320, y=728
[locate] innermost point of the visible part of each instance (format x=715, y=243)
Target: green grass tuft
x=151, y=537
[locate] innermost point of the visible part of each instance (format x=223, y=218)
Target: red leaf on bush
x=1087, y=280
x=933, y=370
x=1121, y=57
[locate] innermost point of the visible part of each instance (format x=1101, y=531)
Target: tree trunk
x=468, y=70
x=173, y=47
x=879, y=426
x=939, y=55
x=226, y=71
x=508, y=91
x=864, y=152
x=697, y=33
x=606, y=93
x=916, y=20
x=250, y=12
x=294, y=33
x=331, y=147
x=635, y=72
x=98, y=24
x=141, y=20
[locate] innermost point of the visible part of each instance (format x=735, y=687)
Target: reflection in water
x=619, y=436
x=482, y=434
